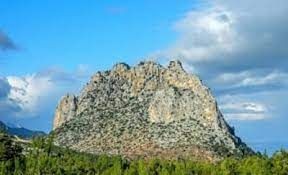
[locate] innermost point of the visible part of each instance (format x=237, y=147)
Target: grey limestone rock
x=147, y=110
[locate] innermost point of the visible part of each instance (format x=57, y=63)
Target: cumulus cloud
x=244, y=106
x=32, y=94
x=239, y=107
x=232, y=36
x=7, y=105
x=245, y=116
x=6, y=43
x=250, y=81
x=244, y=111
x=28, y=90
x=239, y=49
x=203, y=34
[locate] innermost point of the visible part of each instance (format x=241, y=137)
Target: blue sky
x=50, y=48
x=53, y=32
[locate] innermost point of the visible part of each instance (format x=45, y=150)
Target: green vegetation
x=42, y=157
x=8, y=149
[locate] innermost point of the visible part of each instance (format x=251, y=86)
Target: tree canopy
x=42, y=157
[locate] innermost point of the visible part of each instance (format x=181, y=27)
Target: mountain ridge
x=20, y=131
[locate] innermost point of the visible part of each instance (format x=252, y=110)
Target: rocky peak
x=65, y=111
x=120, y=67
x=146, y=110
x=176, y=66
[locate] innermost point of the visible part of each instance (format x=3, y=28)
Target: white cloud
x=245, y=106
x=32, y=94
x=245, y=116
x=244, y=111
x=236, y=36
x=203, y=34
x=273, y=77
x=27, y=91
x=251, y=78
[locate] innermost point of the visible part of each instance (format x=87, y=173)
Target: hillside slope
x=20, y=131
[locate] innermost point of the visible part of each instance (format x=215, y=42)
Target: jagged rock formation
x=146, y=110
x=65, y=110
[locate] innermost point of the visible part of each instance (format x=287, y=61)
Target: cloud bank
x=238, y=35
x=34, y=95
x=237, y=48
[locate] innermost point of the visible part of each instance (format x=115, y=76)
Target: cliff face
x=66, y=110
x=146, y=110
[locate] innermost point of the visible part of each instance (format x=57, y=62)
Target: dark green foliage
x=8, y=150
x=280, y=162
x=43, y=157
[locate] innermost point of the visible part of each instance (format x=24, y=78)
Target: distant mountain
x=3, y=127
x=147, y=111
x=13, y=125
x=20, y=131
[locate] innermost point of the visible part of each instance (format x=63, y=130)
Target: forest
x=41, y=157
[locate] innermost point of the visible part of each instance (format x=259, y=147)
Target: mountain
x=146, y=111
x=2, y=126
x=20, y=131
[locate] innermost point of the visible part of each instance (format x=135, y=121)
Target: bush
x=8, y=149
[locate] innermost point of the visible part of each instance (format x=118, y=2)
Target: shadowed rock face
x=146, y=110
